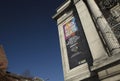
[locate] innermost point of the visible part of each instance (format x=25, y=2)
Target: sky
x=30, y=39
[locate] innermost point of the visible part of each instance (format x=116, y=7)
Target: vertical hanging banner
x=75, y=50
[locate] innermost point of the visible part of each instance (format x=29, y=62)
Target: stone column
x=93, y=39
x=105, y=29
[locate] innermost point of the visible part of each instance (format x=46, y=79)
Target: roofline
x=59, y=12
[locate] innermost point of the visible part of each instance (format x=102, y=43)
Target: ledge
x=65, y=5
x=106, y=62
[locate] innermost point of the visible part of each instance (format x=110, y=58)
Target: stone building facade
x=89, y=34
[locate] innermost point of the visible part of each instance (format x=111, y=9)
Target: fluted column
x=93, y=39
x=108, y=34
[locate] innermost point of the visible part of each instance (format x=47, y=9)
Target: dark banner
x=111, y=11
x=75, y=50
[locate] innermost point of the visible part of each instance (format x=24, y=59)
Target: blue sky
x=30, y=37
